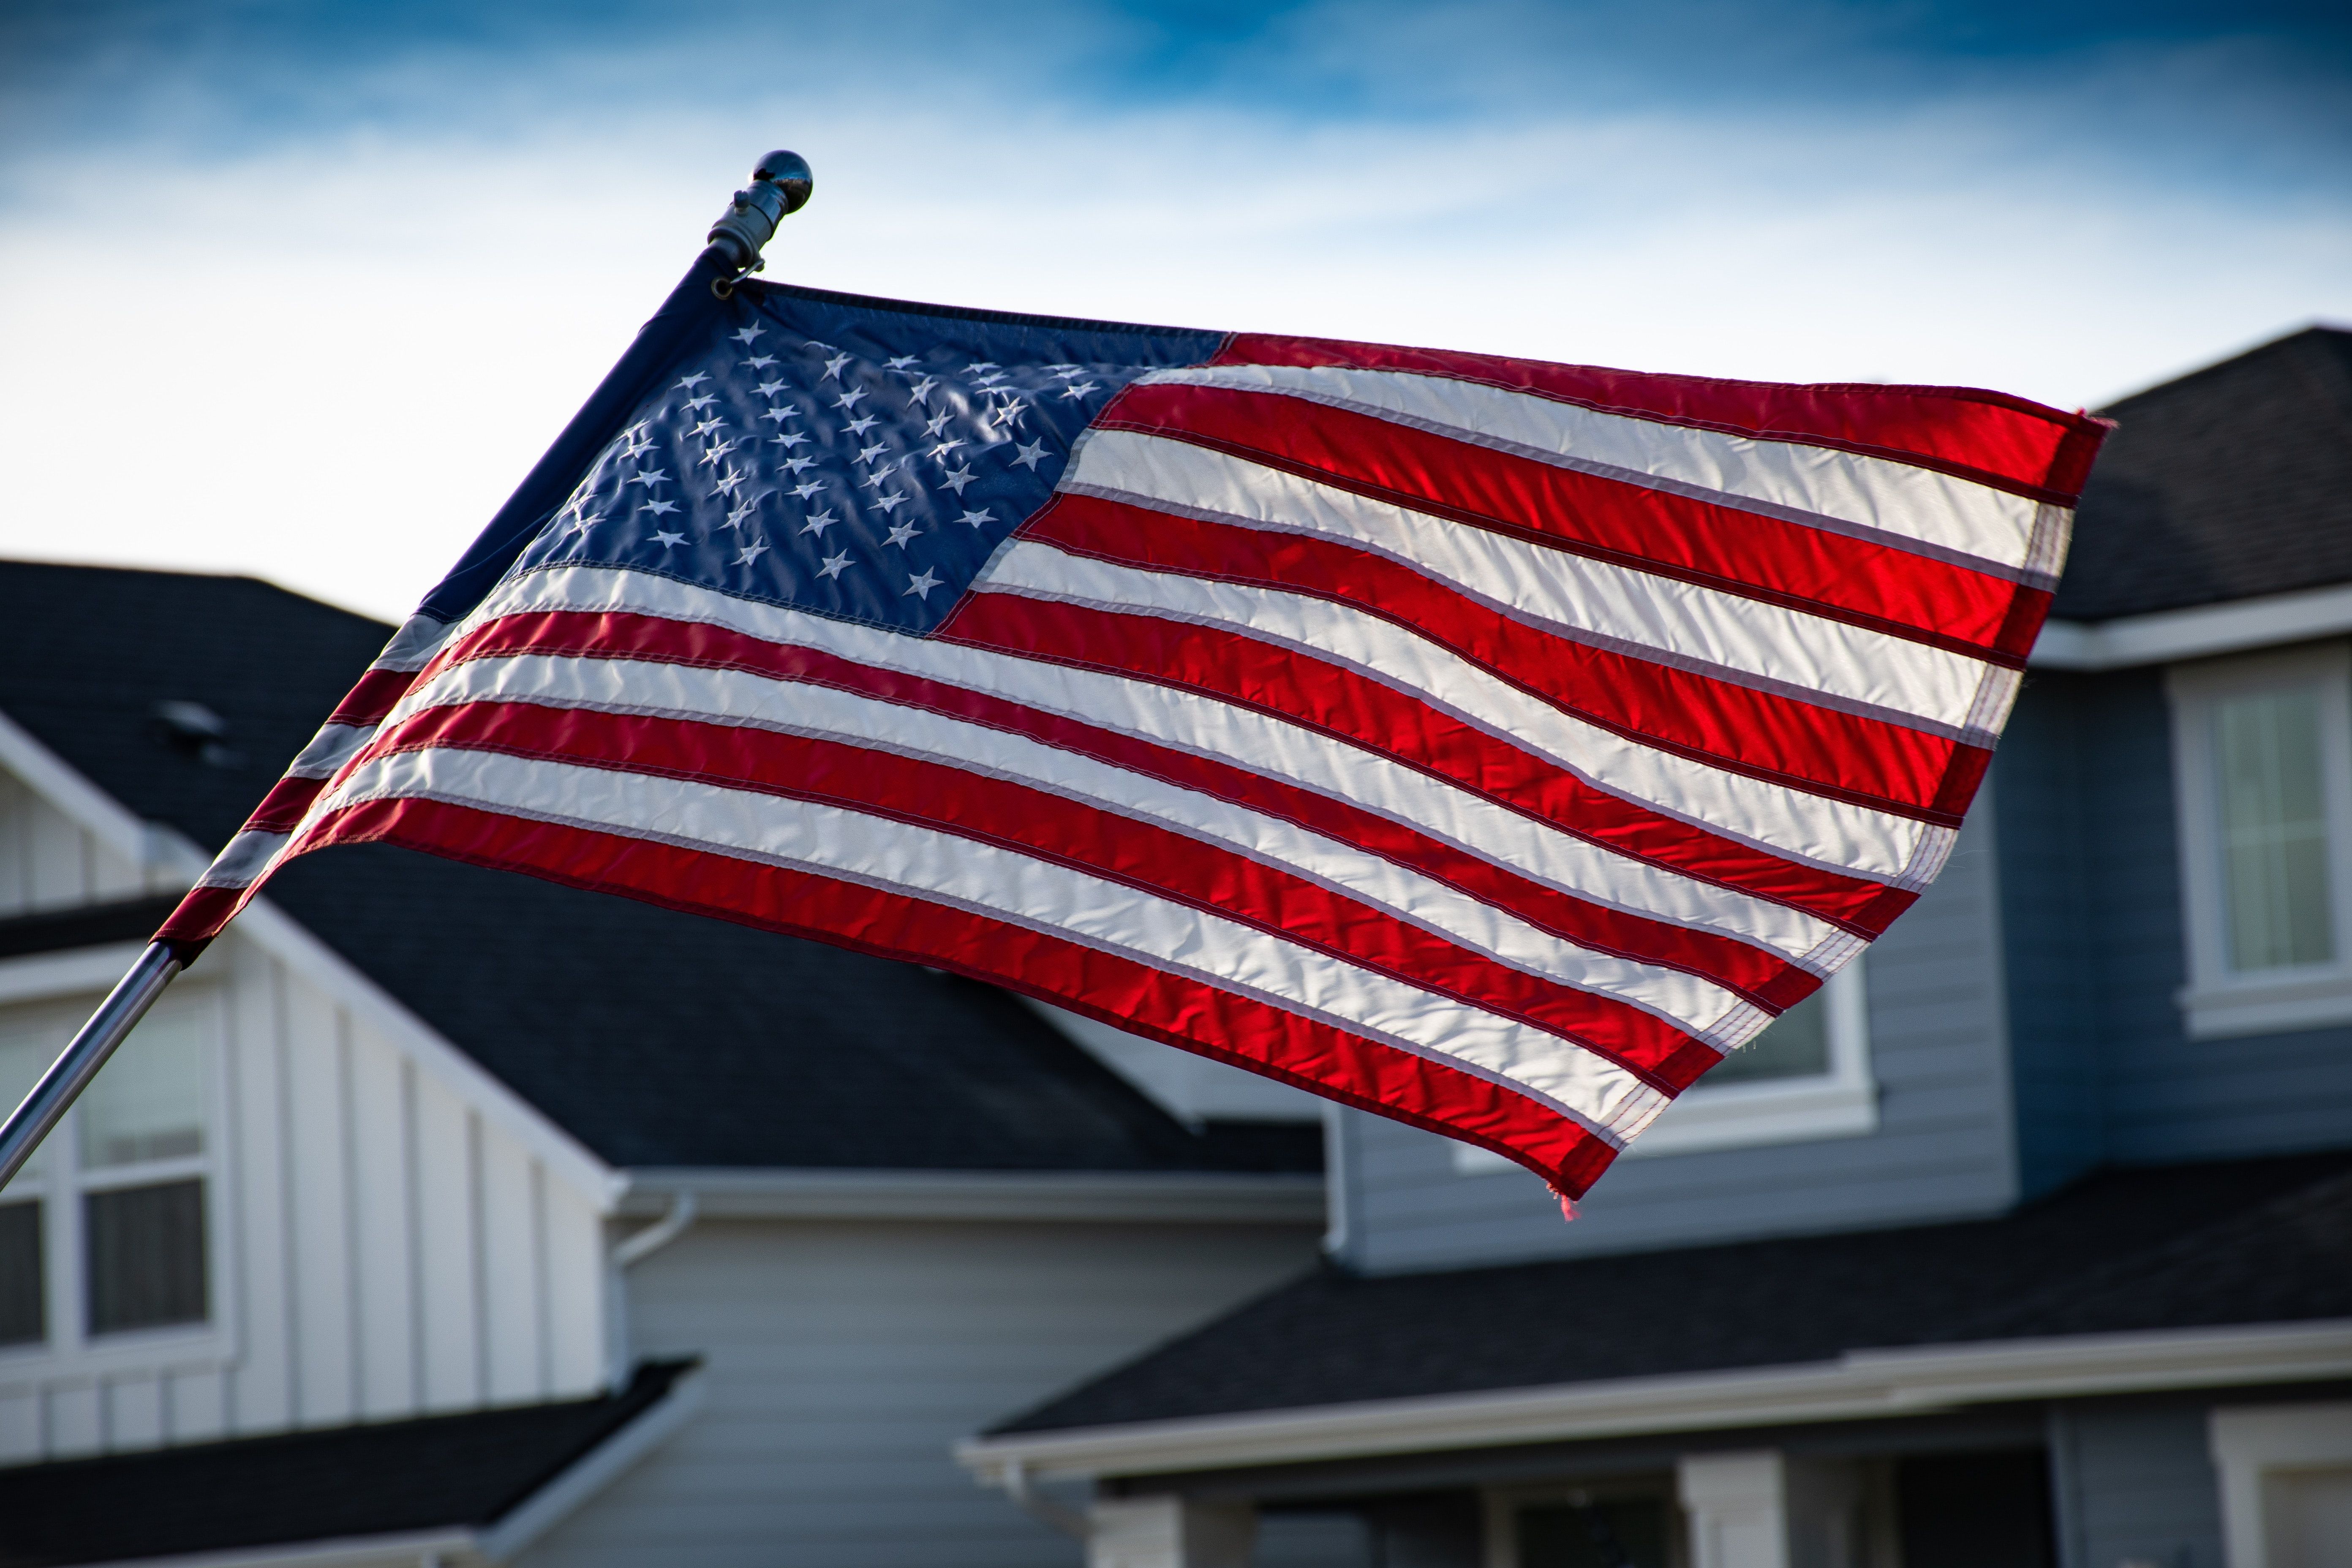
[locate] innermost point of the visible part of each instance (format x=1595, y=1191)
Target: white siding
x=844, y=1358
x=379, y=1250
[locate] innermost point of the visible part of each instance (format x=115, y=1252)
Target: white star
x=696, y=405
x=651, y=477
x=798, y=465
x=809, y=488
x=743, y=511
x=668, y=540
x=781, y=415
x=978, y=518
x=921, y=391
x=1067, y=372
x=890, y=504
x=770, y=388
x=727, y=483
x=819, y=521
x=1030, y=456
x=956, y=478
x=763, y=362
x=747, y=334
x=1011, y=413
x=709, y=425
x=900, y=362
x=833, y=366
x=1078, y=389
x=658, y=507
x=712, y=454
x=688, y=382
x=900, y=533
x=921, y=586
x=865, y=454
x=859, y=427
x=989, y=381
x=940, y=452
x=850, y=399
x=834, y=565
x=980, y=365
x=751, y=552
x=938, y=423
x=582, y=524
x=787, y=440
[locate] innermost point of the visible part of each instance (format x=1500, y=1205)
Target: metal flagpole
x=780, y=187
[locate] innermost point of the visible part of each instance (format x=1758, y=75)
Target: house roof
x=2204, y=1246
x=440, y=1472
x=2232, y=482
x=655, y=1038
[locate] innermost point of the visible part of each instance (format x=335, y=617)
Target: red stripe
x=1116, y=990
x=373, y=697
x=1336, y=700
x=1990, y=437
x=588, y=636
x=281, y=809
x=1050, y=828
x=200, y=915
x=1887, y=767
x=1811, y=570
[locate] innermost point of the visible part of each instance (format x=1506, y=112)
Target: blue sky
x=304, y=289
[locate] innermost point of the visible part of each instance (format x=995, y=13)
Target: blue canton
x=850, y=458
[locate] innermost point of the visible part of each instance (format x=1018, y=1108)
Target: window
x=2262, y=769
x=112, y=1205
x=1806, y=1077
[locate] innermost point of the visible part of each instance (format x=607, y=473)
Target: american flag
x=1489, y=743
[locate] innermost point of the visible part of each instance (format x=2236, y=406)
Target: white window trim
x=2216, y=1004
x=2251, y=1445
x=71, y=1352
x=1840, y=1103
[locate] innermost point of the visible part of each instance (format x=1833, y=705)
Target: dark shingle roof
x=441, y=1472
x=655, y=1037
x=2250, y=1242
x=2233, y=483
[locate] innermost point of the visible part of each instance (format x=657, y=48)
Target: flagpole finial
x=780, y=187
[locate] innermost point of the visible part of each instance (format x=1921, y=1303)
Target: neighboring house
x=444, y=1216
x=2029, y=1242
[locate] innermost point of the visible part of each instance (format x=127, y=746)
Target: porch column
x=1169, y=1532
x=1764, y=1509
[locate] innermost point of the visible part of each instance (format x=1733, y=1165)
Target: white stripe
x=1698, y=1006
x=1716, y=632
x=413, y=644
x=243, y=861
x=329, y=749
x=1775, y=818
x=1209, y=727
x=1955, y=517
x=941, y=868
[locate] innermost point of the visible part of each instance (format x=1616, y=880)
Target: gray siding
x=842, y=1361
x=2133, y=1481
x=2090, y=893
x=1942, y=1147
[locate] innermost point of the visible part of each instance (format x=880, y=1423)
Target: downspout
x=1015, y=1481
x=627, y=1253
x=658, y=1235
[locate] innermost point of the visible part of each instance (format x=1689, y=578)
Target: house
x=440, y=1216
x=2027, y=1241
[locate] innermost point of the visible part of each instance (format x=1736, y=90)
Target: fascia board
x=286, y=939
x=2130, y=641
x=152, y=849
x=1861, y=1385
x=158, y=847
x=1075, y=1195
x=594, y=1471
x=455, y=1548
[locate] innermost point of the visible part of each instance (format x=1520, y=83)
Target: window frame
x=69, y=1349
x=1840, y=1103
x=2218, y=1002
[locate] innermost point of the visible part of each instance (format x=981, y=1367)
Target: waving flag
x=1489, y=743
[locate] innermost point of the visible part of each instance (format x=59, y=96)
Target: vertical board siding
x=2137, y=1484
x=46, y=861
x=510, y=1301
x=319, y=1239
x=261, y=1378
x=446, y=1289
x=843, y=1359
x=1942, y=1147
x=381, y=1234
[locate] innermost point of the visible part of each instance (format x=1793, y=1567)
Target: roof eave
x=1119, y=1196
x=2163, y=635
x=1859, y=1385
